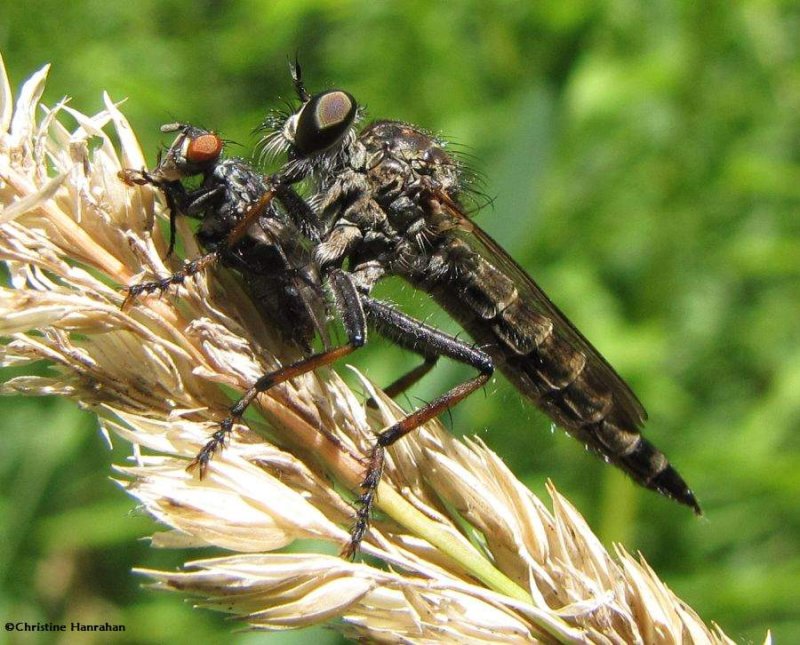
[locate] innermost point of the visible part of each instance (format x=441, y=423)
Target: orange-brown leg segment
x=347, y=302
x=428, y=341
x=410, y=378
x=176, y=195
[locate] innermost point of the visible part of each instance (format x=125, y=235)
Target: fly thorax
x=389, y=178
x=405, y=213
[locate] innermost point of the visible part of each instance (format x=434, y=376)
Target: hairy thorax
x=388, y=210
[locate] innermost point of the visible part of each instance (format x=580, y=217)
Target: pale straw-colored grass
x=463, y=551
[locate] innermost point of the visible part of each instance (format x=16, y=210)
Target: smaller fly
x=244, y=230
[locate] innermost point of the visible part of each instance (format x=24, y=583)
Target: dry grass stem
x=73, y=235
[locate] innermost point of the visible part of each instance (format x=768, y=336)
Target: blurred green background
x=644, y=165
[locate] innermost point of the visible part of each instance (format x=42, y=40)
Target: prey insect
x=242, y=228
x=389, y=198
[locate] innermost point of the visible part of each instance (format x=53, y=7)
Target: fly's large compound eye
x=324, y=120
x=206, y=147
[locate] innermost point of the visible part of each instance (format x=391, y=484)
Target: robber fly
x=389, y=198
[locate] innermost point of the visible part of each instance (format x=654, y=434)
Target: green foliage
x=643, y=164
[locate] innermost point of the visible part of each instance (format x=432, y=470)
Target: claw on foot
x=135, y=290
x=214, y=445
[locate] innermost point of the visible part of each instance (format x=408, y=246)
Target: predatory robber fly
x=388, y=198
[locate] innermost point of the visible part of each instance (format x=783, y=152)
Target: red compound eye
x=206, y=147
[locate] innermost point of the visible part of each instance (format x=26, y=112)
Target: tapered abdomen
x=549, y=362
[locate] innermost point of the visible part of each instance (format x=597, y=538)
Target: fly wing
x=285, y=282
x=548, y=318
x=543, y=354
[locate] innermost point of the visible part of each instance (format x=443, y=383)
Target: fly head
x=317, y=137
x=195, y=151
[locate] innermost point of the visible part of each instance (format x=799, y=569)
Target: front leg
x=174, y=193
x=204, y=261
x=179, y=277
x=348, y=304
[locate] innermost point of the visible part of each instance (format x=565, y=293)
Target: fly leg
x=158, y=286
x=206, y=260
x=429, y=341
x=400, y=385
x=348, y=304
x=410, y=378
x=174, y=193
x=302, y=215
